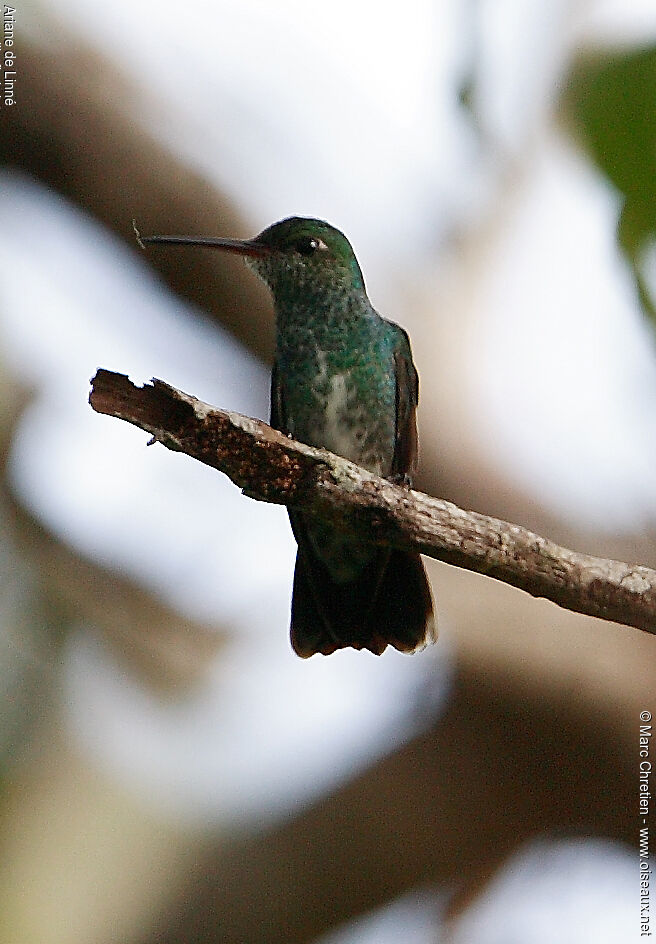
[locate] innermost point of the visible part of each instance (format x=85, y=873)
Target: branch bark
x=269, y=466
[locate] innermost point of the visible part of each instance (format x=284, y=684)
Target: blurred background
x=169, y=771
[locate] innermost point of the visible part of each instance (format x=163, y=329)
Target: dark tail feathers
x=390, y=604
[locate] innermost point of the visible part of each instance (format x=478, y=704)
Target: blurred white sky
x=591, y=882
x=348, y=112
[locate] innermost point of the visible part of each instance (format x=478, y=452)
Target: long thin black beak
x=244, y=247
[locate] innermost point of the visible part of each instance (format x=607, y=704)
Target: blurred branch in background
x=31, y=635
x=80, y=136
x=403, y=822
x=61, y=820
x=168, y=651
x=65, y=588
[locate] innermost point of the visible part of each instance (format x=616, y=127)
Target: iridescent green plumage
x=343, y=379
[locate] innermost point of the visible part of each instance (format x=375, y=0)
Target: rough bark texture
x=271, y=467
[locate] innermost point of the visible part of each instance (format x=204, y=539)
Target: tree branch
x=269, y=466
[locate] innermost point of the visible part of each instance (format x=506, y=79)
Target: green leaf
x=610, y=100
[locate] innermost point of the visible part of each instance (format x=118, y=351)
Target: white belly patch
x=346, y=428
x=337, y=431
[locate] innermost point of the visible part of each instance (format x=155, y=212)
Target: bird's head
x=295, y=257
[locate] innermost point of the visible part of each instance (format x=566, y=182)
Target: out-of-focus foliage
x=611, y=99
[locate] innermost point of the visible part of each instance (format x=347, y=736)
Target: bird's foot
x=400, y=478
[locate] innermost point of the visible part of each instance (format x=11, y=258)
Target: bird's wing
x=404, y=461
x=277, y=413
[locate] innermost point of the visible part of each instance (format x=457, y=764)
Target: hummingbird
x=343, y=379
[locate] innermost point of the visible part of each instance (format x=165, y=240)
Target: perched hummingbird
x=343, y=379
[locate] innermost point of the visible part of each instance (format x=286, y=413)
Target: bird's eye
x=308, y=245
